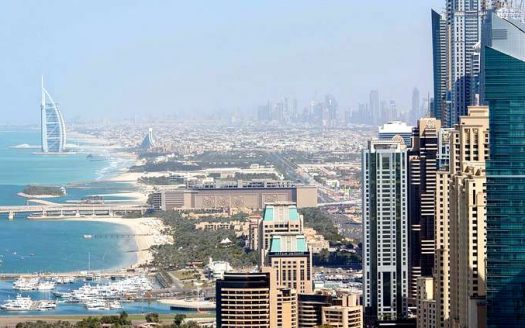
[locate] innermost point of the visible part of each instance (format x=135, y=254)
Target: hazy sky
x=124, y=57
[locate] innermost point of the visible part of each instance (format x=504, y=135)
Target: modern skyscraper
x=459, y=229
x=53, y=128
x=440, y=65
x=467, y=218
x=385, y=230
x=503, y=72
x=422, y=159
x=456, y=37
x=149, y=140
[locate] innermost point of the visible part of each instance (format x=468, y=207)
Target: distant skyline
x=121, y=58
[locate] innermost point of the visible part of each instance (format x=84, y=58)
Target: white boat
x=97, y=305
x=115, y=305
x=46, y=305
x=46, y=285
x=88, y=236
x=18, y=304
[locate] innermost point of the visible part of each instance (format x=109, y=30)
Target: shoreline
x=148, y=232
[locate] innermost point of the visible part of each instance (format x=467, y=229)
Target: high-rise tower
x=385, y=229
x=456, y=35
x=53, y=129
x=503, y=71
x=422, y=164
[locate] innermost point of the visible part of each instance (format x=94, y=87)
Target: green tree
x=190, y=324
x=179, y=318
x=152, y=317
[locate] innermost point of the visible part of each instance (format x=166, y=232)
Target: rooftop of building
x=395, y=127
x=281, y=212
x=288, y=244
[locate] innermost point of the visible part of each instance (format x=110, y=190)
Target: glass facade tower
x=503, y=73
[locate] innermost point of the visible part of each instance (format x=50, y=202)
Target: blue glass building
x=503, y=75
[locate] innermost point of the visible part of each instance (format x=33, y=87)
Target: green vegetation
x=121, y=320
x=212, y=159
x=192, y=245
x=117, y=321
x=322, y=223
x=326, y=258
x=43, y=190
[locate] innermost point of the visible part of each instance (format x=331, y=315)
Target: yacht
x=46, y=285
x=115, y=305
x=46, y=305
x=97, y=305
x=18, y=304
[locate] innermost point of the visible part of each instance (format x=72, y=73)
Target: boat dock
x=76, y=275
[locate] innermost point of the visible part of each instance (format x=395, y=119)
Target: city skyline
x=103, y=52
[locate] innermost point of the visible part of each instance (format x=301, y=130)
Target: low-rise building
x=247, y=194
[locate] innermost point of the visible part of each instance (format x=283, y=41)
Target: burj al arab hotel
x=53, y=127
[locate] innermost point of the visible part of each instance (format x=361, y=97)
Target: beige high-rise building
x=460, y=229
x=255, y=300
x=467, y=211
x=349, y=314
x=290, y=257
x=283, y=247
x=426, y=304
x=442, y=257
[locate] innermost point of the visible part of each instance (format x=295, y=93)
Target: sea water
x=57, y=246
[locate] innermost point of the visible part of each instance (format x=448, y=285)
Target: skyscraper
x=53, y=128
x=457, y=298
x=385, y=229
x=503, y=71
x=467, y=218
x=456, y=37
x=440, y=65
x=422, y=159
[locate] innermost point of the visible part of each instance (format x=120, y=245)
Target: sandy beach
x=148, y=231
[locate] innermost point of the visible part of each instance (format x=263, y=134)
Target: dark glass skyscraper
x=503, y=75
x=440, y=62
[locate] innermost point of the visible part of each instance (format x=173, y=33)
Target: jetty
x=48, y=210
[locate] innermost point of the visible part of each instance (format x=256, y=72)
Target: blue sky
x=121, y=58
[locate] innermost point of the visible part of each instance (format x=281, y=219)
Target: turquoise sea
x=56, y=246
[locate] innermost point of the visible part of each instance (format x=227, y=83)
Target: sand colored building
x=240, y=195
x=460, y=229
x=347, y=314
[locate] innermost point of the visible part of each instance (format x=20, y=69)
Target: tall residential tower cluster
x=463, y=183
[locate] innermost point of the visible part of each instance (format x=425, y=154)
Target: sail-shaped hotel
x=53, y=127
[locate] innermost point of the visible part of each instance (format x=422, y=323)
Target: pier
x=54, y=210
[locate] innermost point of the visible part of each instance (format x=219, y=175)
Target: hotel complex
x=53, y=128
x=238, y=194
